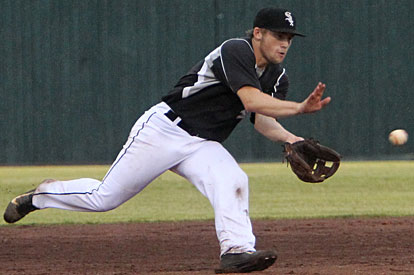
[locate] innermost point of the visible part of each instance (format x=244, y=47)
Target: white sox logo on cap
x=289, y=18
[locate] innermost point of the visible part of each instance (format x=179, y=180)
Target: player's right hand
x=314, y=101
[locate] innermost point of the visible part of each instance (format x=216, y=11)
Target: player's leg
x=217, y=176
x=150, y=150
x=135, y=167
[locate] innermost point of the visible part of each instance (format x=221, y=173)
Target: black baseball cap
x=276, y=19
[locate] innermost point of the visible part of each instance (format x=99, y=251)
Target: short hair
x=249, y=33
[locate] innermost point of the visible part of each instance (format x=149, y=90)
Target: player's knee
x=106, y=207
x=106, y=203
x=241, y=178
x=241, y=184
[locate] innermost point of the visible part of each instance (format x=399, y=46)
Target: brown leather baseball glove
x=308, y=158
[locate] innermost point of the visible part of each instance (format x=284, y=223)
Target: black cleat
x=246, y=262
x=19, y=207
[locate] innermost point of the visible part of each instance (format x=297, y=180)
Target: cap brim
x=288, y=31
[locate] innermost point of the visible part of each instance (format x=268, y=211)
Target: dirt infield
x=323, y=246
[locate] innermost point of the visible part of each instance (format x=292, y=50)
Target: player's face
x=275, y=45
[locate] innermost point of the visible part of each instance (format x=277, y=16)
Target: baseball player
x=183, y=133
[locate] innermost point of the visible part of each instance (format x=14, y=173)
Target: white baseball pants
x=155, y=145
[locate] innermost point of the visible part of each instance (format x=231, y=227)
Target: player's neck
x=261, y=62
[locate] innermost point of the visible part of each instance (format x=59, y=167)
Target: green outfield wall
x=75, y=75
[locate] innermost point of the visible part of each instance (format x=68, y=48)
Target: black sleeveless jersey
x=205, y=98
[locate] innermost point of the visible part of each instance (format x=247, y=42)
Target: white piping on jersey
x=205, y=76
x=277, y=82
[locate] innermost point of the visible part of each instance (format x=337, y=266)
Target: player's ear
x=258, y=33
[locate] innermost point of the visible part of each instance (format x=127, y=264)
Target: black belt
x=173, y=116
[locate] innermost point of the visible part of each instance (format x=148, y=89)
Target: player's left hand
x=314, y=101
x=308, y=159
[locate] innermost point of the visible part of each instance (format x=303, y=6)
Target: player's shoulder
x=237, y=44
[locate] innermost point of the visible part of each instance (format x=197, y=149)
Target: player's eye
x=282, y=36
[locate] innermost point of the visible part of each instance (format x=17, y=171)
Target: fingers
x=319, y=90
x=315, y=102
x=317, y=93
x=325, y=101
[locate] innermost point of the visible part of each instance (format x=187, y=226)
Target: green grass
x=358, y=189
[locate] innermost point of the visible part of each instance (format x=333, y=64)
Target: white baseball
x=398, y=137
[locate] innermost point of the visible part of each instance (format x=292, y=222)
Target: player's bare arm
x=256, y=101
x=273, y=130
